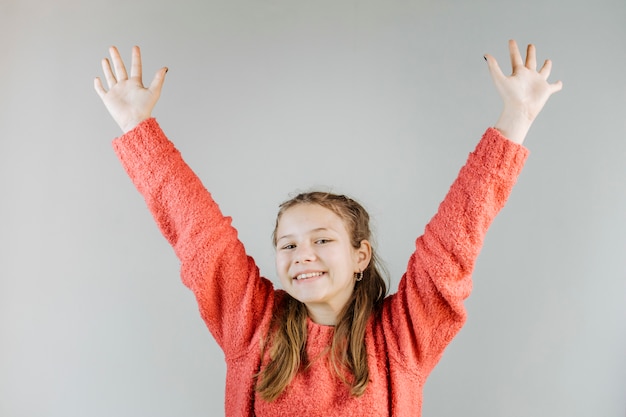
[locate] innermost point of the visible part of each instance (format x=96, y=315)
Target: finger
x=494, y=68
x=97, y=85
x=135, y=67
x=531, y=57
x=118, y=64
x=516, y=58
x=157, y=82
x=546, y=69
x=108, y=73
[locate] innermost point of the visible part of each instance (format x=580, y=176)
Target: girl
x=330, y=342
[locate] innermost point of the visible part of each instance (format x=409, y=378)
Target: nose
x=304, y=253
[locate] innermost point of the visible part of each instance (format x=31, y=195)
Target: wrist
x=130, y=124
x=514, y=124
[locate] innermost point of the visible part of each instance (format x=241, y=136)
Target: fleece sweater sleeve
x=231, y=296
x=427, y=311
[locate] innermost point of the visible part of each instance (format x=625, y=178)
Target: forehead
x=308, y=217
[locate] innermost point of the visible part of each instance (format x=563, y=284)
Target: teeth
x=309, y=275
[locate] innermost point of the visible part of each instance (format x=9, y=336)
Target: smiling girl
x=330, y=342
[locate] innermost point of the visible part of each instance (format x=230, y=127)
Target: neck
x=322, y=314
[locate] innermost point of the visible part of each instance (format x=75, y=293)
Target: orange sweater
x=404, y=342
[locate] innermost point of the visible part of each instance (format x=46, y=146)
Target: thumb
x=556, y=87
x=494, y=68
x=157, y=82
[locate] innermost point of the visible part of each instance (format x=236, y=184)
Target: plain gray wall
x=378, y=99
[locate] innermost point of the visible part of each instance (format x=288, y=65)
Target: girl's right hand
x=127, y=100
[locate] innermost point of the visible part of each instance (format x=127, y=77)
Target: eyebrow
x=317, y=229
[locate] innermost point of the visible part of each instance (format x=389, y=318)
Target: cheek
x=282, y=270
x=282, y=264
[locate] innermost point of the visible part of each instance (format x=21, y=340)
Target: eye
x=323, y=241
x=288, y=246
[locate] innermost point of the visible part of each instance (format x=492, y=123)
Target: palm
x=127, y=100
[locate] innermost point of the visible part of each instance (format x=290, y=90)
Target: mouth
x=308, y=275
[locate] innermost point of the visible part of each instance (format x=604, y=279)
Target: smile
x=309, y=275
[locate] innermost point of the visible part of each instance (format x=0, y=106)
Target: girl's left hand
x=524, y=93
x=128, y=101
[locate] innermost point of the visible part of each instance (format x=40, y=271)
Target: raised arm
x=233, y=300
x=428, y=311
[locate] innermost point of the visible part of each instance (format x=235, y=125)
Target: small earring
x=359, y=275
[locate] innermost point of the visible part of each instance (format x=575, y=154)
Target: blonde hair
x=288, y=334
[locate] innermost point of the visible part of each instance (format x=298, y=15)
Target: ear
x=363, y=255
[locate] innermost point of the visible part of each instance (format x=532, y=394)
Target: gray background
x=378, y=99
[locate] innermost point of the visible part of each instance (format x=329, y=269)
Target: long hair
x=288, y=332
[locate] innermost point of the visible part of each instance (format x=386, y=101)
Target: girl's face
x=315, y=260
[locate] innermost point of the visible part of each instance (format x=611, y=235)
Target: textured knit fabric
x=404, y=342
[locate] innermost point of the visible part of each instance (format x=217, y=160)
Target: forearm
x=474, y=199
x=169, y=187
